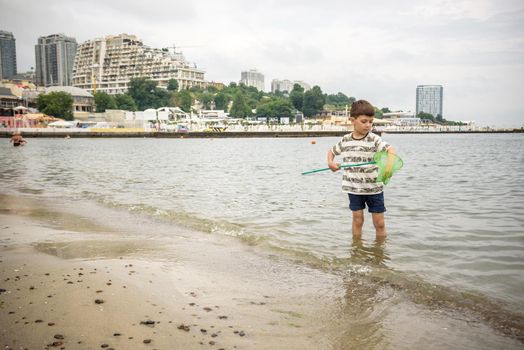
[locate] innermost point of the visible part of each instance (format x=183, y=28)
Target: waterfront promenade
x=71, y=133
x=236, y=131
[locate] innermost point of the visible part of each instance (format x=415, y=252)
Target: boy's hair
x=362, y=107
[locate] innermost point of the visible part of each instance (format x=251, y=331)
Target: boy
x=360, y=182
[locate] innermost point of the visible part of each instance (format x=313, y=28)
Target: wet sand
x=71, y=282
x=59, y=289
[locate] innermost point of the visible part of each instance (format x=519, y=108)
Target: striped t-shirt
x=360, y=179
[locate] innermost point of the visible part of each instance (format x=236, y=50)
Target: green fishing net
x=388, y=164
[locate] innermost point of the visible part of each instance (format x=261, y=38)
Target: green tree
x=339, y=99
x=279, y=94
x=172, y=85
x=196, y=89
x=221, y=101
x=296, y=96
x=385, y=110
x=184, y=100
x=161, y=97
x=142, y=90
x=275, y=108
x=424, y=115
x=314, y=101
x=146, y=93
x=206, y=99
x=125, y=102
x=240, y=108
x=104, y=101
x=58, y=104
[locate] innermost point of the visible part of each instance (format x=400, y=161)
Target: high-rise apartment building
x=55, y=57
x=287, y=85
x=252, y=78
x=429, y=99
x=7, y=55
x=108, y=64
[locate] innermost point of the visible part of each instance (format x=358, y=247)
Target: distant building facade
x=8, y=101
x=429, y=99
x=287, y=85
x=55, y=57
x=108, y=64
x=252, y=78
x=83, y=101
x=7, y=55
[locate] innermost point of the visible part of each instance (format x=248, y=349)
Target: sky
x=378, y=50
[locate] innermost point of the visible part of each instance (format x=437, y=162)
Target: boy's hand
x=388, y=169
x=334, y=166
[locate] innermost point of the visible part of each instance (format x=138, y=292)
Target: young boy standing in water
x=360, y=182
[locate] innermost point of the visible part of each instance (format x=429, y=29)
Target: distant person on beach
x=360, y=182
x=17, y=139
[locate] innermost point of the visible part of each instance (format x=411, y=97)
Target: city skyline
x=379, y=51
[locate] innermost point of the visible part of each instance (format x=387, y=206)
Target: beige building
x=108, y=64
x=83, y=101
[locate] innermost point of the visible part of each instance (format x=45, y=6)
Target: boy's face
x=362, y=124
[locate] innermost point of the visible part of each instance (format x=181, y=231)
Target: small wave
x=184, y=219
x=438, y=297
x=28, y=190
x=365, y=267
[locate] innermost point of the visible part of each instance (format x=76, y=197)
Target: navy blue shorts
x=375, y=202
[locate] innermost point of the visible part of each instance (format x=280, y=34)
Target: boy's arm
x=331, y=164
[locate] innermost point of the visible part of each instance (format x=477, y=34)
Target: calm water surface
x=454, y=212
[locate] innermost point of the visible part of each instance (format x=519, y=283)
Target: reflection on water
x=373, y=254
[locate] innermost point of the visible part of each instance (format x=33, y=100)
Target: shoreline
x=227, y=134
x=61, y=293
x=92, y=286
x=187, y=289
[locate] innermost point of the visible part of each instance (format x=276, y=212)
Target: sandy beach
x=88, y=290
x=70, y=282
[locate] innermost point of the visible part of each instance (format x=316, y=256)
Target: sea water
x=454, y=211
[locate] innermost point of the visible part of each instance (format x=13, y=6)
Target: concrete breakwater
x=505, y=131
x=193, y=134
x=228, y=134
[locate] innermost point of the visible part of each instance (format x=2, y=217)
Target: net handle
x=343, y=166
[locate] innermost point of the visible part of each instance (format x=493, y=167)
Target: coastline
x=61, y=133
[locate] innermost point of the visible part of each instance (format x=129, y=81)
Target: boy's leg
x=377, y=209
x=357, y=205
x=358, y=222
x=380, y=225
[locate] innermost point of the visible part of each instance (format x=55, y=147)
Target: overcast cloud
x=378, y=50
